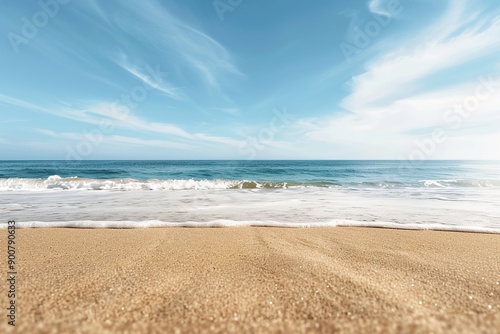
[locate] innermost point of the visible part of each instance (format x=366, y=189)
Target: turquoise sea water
x=448, y=195
x=249, y=174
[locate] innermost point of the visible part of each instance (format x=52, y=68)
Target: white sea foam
x=234, y=223
x=457, y=209
x=460, y=183
x=55, y=182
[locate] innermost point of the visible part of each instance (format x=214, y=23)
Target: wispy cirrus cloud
x=147, y=77
x=120, y=117
x=117, y=139
x=157, y=30
x=23, y=104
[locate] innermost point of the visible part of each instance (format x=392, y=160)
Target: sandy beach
x=256, y=279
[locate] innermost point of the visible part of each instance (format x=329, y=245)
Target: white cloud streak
x=121, y=117
x=391, y=104
x=153, y=83
x=451, y=42
x=157, y=27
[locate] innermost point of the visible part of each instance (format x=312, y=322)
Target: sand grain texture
x=256, y=280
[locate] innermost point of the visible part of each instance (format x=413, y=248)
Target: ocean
x=447, y=195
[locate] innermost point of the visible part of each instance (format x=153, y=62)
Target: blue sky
x=241, y=79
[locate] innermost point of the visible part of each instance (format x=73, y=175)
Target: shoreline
x=340, y=223
x=257, y=278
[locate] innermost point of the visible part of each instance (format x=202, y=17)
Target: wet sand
x=255, y=279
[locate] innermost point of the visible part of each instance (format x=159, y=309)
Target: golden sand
x=255, y=279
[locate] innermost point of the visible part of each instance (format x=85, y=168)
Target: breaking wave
x=55, y=182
